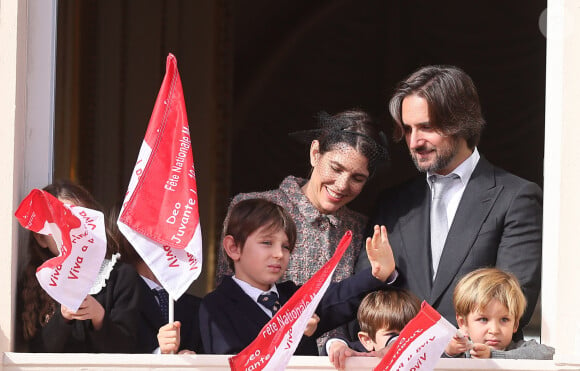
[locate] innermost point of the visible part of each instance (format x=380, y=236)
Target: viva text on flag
x=420, y=343
x=80, y=236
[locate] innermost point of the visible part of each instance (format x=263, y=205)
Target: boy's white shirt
x=152, y=284
x=254, y=292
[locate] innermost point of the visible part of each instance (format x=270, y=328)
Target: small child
x=151, y=315
x=259, y=238
x=382, y=315
x=489, y=304
x=106, y=321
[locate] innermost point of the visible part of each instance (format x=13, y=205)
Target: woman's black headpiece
x=337, y=130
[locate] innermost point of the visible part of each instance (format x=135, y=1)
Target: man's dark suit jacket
x=230, y=320
x=498, y=223
x=186, y=310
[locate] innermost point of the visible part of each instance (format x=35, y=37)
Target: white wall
x=12, y=118
x=27, y=39
x=145, y=362
x=561, y=250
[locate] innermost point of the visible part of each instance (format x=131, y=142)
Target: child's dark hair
x=391, y=308
x=248, y=216
x=38, y=306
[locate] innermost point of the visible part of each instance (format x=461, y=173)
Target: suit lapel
x=149, y=307
x=415, y=235
x=243, y=305
x=476, y=203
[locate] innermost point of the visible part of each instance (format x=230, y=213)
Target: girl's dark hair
x=248, y=216
x=38, y=306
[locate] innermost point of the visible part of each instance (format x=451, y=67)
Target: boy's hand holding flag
x=80, y=236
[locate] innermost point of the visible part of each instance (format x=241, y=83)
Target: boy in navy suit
x=153, y=310
x=258, y=241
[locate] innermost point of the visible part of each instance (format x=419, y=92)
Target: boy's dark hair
x=248, y=216
x=391, y=308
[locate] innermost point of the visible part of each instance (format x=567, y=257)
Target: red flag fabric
x=420, y=344
x=79, y=234
x=278, y=339
x=160, y=217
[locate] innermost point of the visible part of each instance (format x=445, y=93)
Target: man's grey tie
x=439, y=225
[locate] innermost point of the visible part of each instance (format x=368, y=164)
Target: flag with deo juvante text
x=159, y=216
x=420, y=343
x=80, y=237
x=278, y=339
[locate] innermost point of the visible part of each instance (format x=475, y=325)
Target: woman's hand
x=169, y=338
x=380, y=254
x=90, y=309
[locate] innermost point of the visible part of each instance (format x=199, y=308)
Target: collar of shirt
x=455, y=193
x=152, y=285
x=292, y=186
x=252, y=291
x=464, y=170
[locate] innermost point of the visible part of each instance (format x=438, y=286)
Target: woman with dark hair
x=106, y=320
x=344, y=152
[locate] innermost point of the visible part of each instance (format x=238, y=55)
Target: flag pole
x=170, y=309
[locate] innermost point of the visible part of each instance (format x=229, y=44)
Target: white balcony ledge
x=87, y=362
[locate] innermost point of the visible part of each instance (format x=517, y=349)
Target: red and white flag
x=420, y=344
x=278, y=339
x=80, y=236
x=160, y=217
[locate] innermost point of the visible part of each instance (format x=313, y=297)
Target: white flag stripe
x=70, y=282
x=282, y=355
x=425, y=350
x=142, y=159
x=175, y=264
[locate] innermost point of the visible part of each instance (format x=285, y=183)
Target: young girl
x=105, y=321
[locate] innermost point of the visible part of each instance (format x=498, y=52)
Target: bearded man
x=461, y=213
